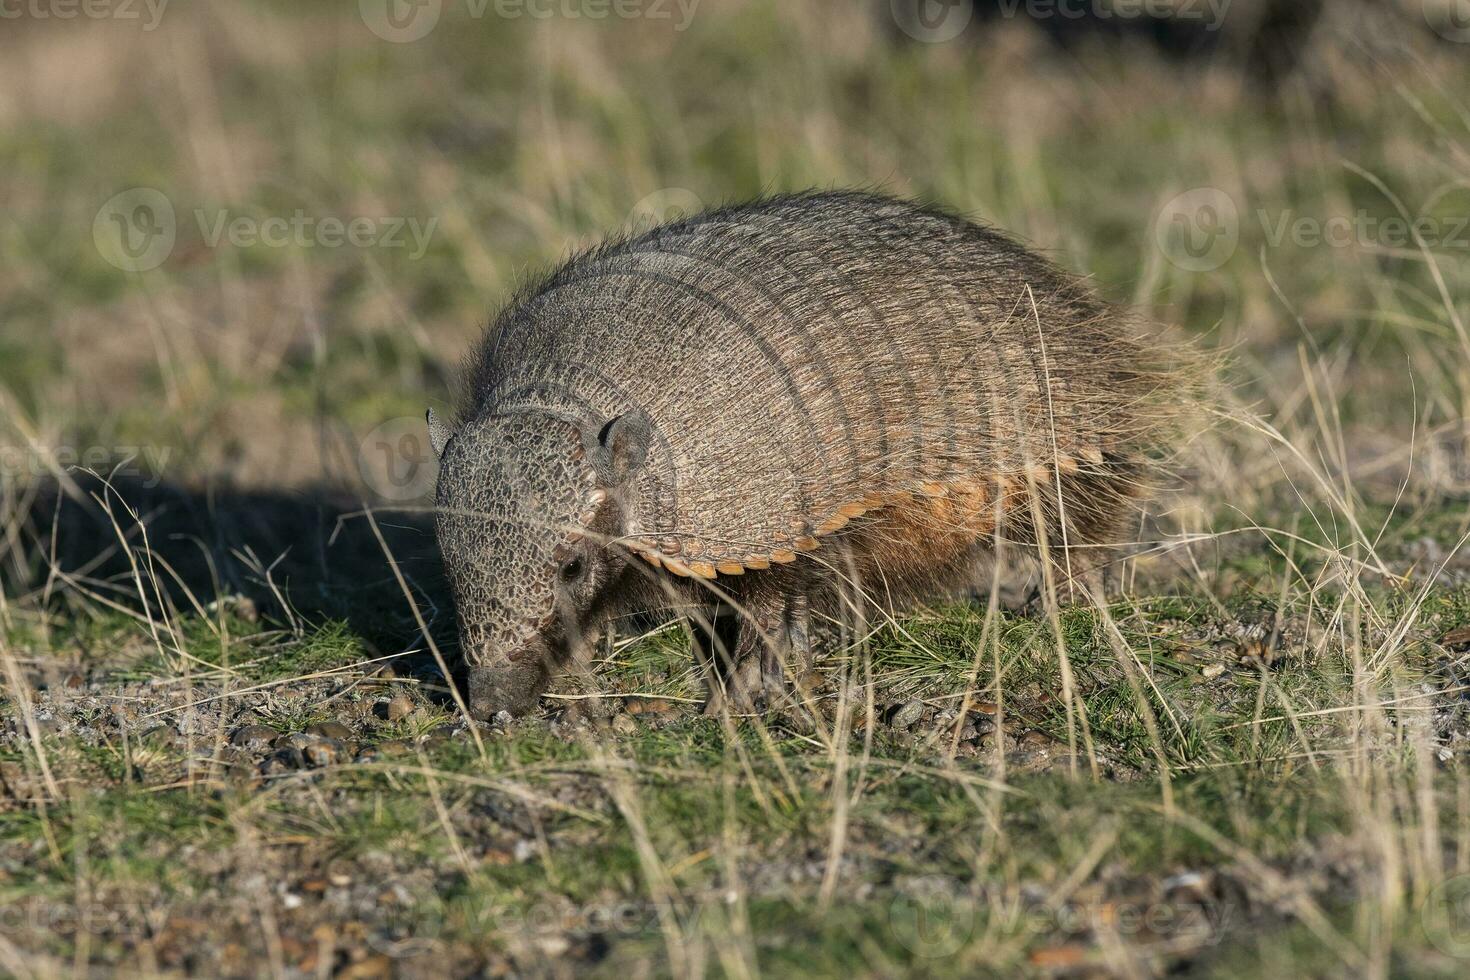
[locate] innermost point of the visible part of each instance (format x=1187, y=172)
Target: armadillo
x=779, y=408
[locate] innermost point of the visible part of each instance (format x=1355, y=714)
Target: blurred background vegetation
x=1283, y=183
x=515, y=139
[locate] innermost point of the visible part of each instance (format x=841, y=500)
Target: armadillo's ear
x=439, y=434
x=622, y=445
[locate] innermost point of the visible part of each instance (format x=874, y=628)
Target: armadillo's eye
x=572, y=570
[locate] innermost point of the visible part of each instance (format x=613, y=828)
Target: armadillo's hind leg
x=793, y=653
x=798, y=636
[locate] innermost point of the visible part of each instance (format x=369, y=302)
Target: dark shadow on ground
x=306, y=555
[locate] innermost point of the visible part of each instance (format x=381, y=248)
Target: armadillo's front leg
x=761, y=676
x=731, y=683
x=740, y=669
x=713, y=635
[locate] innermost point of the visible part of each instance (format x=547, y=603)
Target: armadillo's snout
x=506, y=686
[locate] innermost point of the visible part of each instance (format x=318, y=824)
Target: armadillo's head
x=526, y=509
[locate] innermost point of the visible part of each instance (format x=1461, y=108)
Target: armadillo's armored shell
x=812, y=358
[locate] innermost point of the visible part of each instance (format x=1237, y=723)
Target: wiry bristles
x=806, y=382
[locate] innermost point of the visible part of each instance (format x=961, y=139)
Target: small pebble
x=1037, y=740
x=322, y=751
x=254, y=738
x=330, y=729
x=394, y=709
x=908, y=715
x=1007, y=742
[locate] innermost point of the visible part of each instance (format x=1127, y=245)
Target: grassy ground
x=228, y=747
